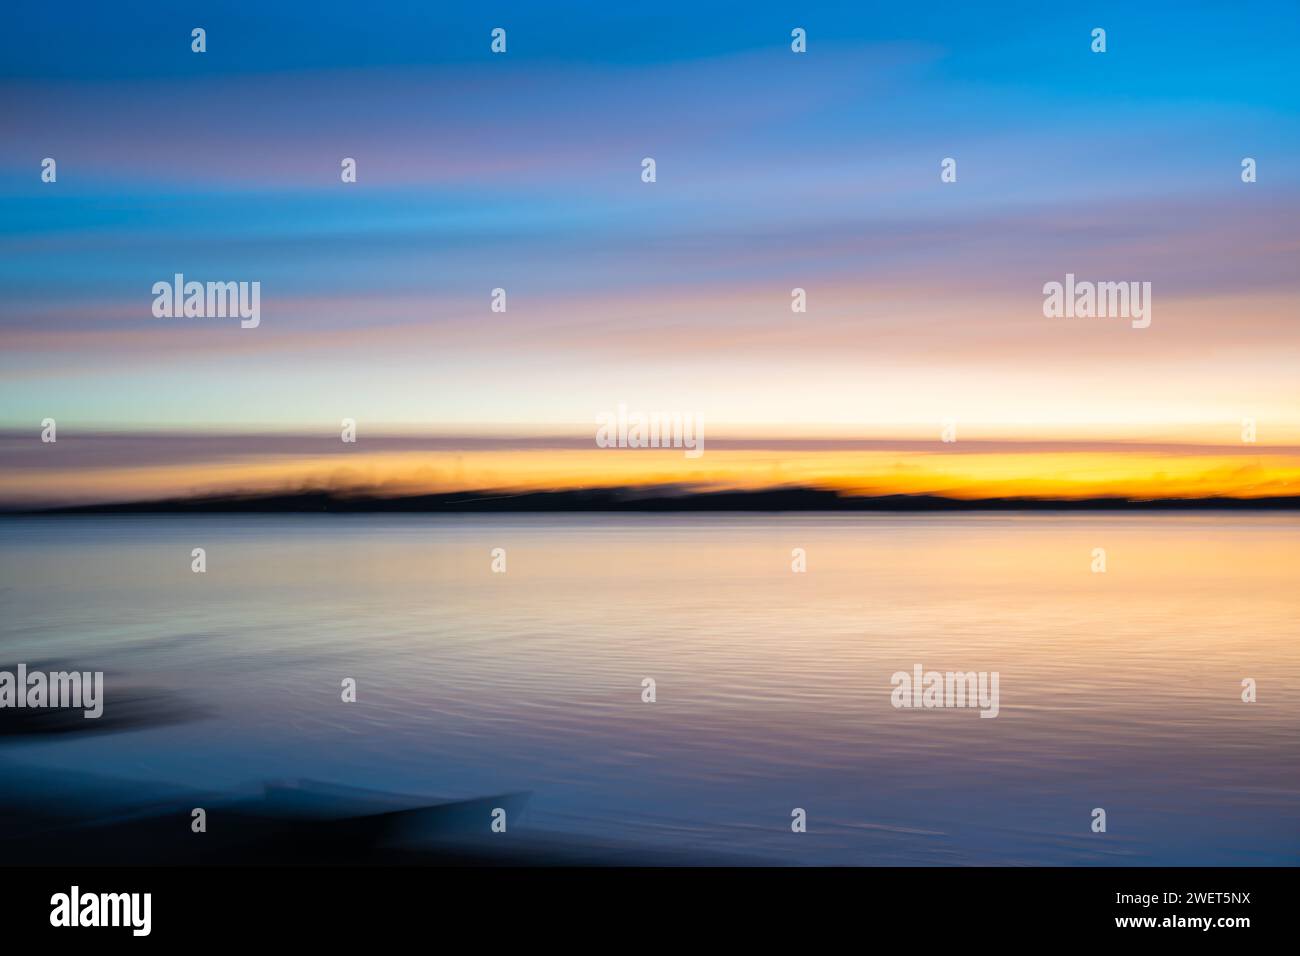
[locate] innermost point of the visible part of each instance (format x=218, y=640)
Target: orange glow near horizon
x=967, y=475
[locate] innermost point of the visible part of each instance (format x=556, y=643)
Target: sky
x=774, y=171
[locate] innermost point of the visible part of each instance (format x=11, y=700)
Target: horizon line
x=633, y=499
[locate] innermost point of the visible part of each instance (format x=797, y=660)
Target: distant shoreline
x=640, y=500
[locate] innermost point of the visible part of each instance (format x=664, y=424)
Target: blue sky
x=522, y=171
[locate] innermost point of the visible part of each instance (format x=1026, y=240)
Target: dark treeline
x=653, y=500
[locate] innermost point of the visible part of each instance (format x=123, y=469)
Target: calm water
x=1118, y=690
